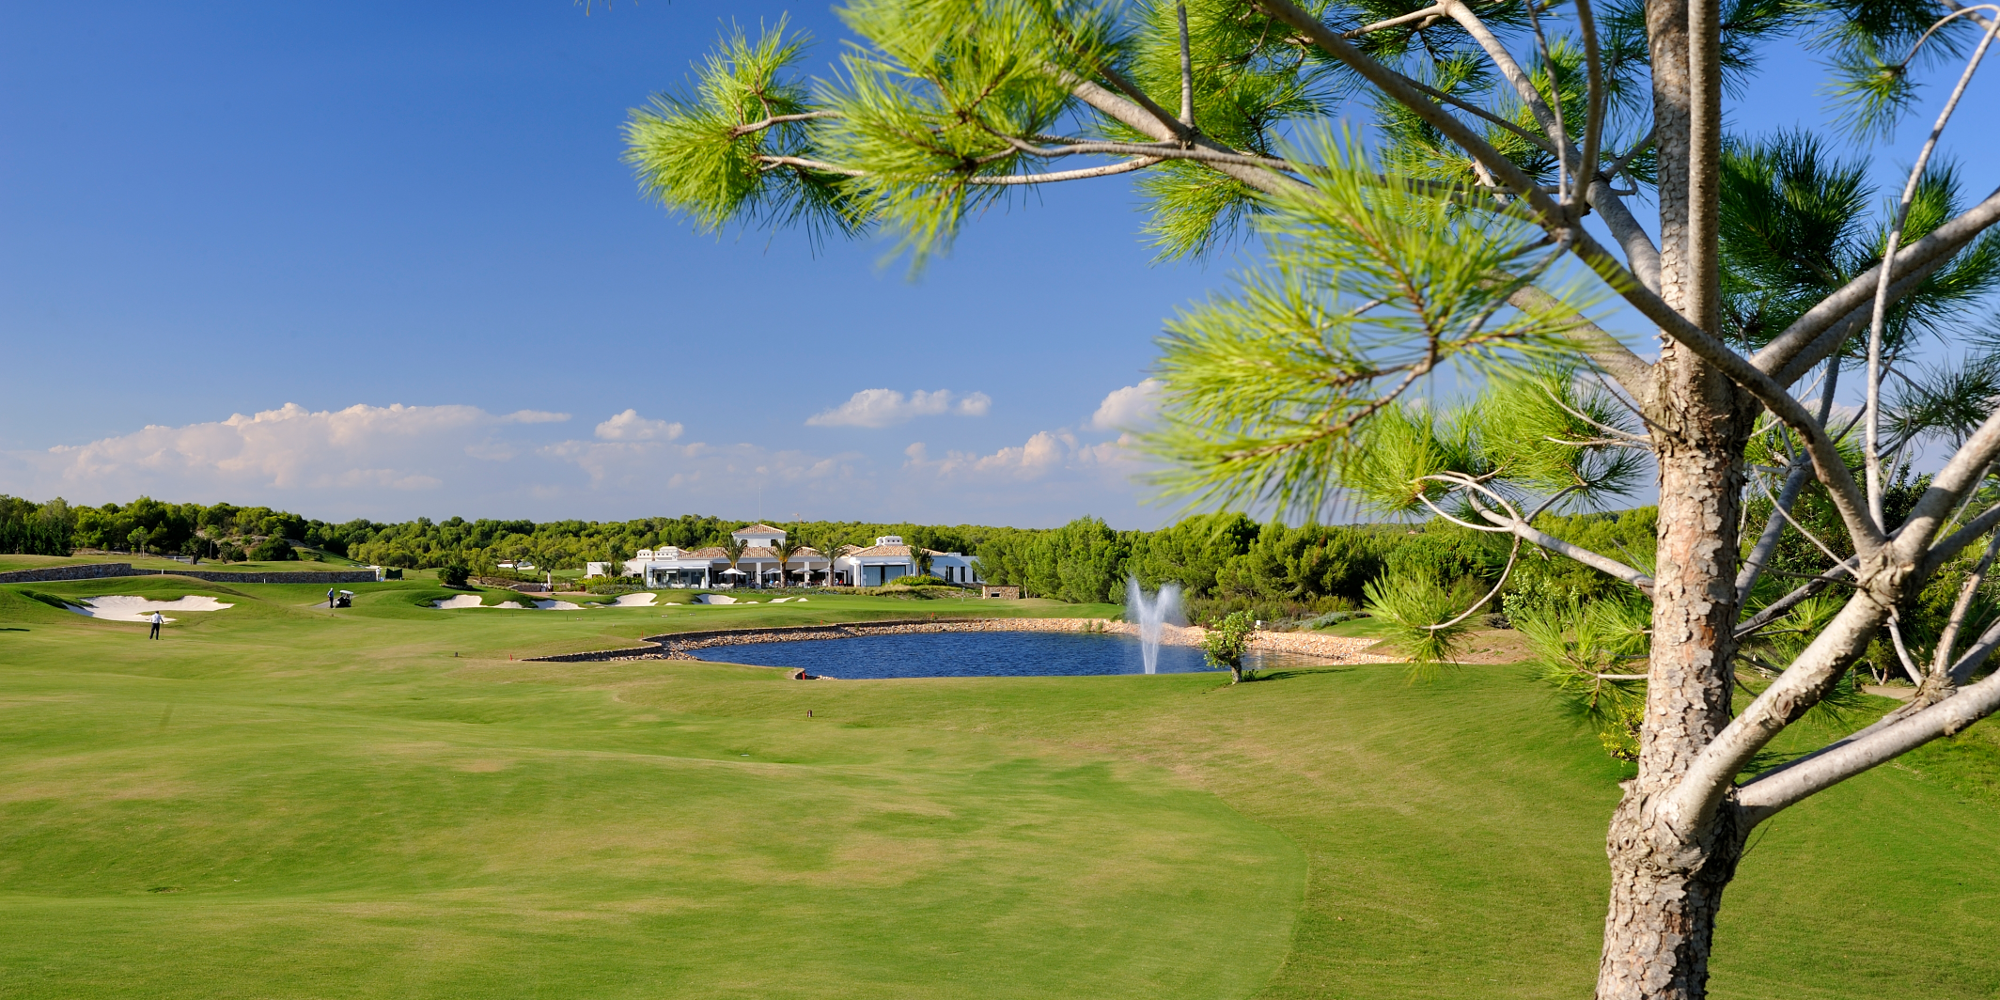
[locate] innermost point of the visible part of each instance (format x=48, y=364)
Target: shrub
x=1333, y=618
x=233, y=553
x=1227, y=641
x=273, y=549
x=1443, y=554
x=453, y=575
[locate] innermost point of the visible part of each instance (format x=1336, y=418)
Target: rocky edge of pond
x=680, y=645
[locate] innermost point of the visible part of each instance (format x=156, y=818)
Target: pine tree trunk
x=1665, y=885
x=1668, y=873
x=1665, y=893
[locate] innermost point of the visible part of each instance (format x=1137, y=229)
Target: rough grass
x=280, y=802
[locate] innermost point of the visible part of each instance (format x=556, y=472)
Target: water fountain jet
x=1151, y=617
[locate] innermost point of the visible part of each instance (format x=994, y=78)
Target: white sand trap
x=558, y=606
x=779, y=600
x=634, y=601
x=139, y=609
x=472, y=601
x=714, y=599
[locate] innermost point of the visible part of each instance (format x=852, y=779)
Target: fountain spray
x=1151, y=616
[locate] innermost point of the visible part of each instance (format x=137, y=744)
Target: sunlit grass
x=276, y=801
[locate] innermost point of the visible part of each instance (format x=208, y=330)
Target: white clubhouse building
x=758, y=564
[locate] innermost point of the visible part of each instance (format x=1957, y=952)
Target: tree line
x=1223, y=562
x=146, y=526
x=1228, y=562
x=29, y=528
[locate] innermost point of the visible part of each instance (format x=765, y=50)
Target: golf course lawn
x=278, y=801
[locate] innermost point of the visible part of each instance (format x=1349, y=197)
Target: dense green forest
x=35, y=529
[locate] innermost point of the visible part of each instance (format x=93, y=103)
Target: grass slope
x=280, y=802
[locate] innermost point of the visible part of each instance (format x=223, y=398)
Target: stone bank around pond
x=679, y=646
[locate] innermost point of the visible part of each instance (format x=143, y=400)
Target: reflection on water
x=967, y=654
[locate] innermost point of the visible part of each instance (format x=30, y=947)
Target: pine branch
x=1767, y=795
x=1804, y=332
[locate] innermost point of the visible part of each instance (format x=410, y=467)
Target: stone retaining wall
x=320, y=576
x=100, y=571
x=87, y=571
x=678, y=645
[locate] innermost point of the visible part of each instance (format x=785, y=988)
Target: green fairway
x=277, y=801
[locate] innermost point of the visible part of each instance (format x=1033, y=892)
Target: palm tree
x=783, y=547
x=732, y=550
x=830, y=546
x=920, y=559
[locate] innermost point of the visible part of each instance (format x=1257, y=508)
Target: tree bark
x=1667, y=870
x=1665, y=892
x=1666, y=31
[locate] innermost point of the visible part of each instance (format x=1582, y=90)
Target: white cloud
x=1130, y=408
x=399, y=461
x=1039, y=454
x=630, y=426
x=534, y=417
x=886, y=407
x=289, y=447
x=395, y=462
x=1043, y=454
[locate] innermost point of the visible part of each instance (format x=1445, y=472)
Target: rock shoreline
x=680, y=645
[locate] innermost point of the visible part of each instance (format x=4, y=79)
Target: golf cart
x=344, y=600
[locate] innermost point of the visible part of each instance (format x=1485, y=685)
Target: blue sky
x=383, y=260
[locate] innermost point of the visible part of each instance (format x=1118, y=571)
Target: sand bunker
x=558, y=606
x=471, y=601
x=634, y=601
x=714, y=599
x=140, y=609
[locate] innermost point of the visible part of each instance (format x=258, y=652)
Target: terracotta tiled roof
x=758, y=529
x=887, y=550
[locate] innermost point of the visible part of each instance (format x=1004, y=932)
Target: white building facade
x=890, y=558
x=758, y=565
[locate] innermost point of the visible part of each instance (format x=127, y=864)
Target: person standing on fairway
x=329, y=598
x=157, y=619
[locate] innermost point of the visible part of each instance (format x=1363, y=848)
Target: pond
x=966, y=654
